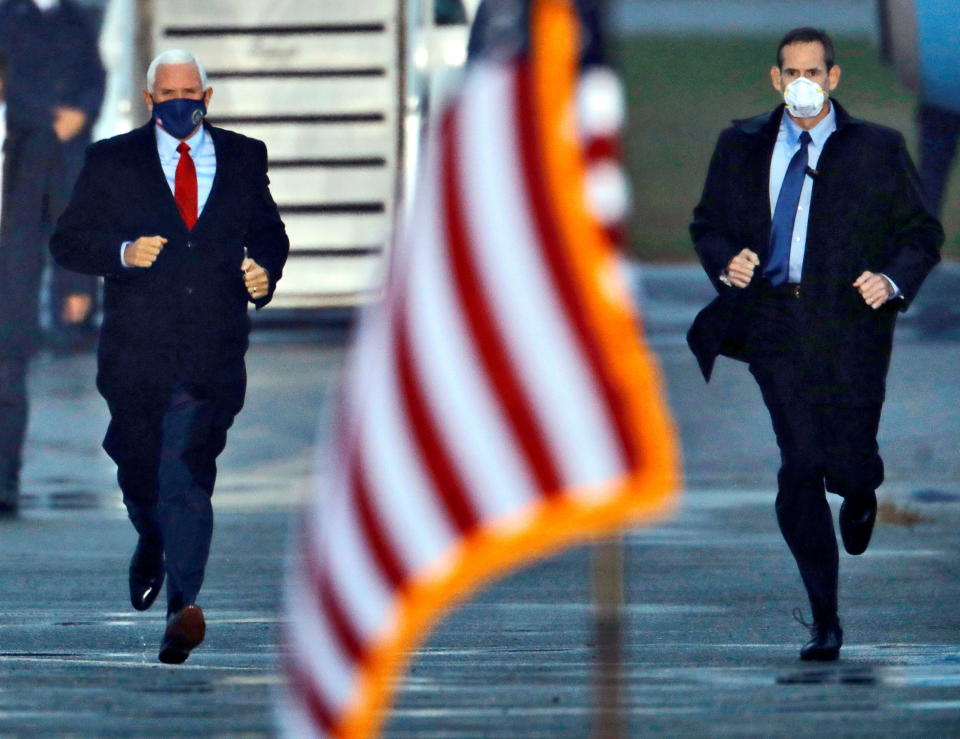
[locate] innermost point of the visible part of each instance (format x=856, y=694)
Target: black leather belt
x=789, y=290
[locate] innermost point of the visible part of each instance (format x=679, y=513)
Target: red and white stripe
x=474, y=392
x=601, y=113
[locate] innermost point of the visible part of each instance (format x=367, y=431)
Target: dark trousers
x=822, y=448
x=939, y=131
x=168, y=499
x=13, y=425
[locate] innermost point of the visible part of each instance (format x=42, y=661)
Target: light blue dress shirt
x=788, y=144
x=204, y=157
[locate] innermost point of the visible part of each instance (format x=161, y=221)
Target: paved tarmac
x=741, y=17
x=710, y=647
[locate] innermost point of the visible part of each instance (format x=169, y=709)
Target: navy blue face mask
x=180, y=116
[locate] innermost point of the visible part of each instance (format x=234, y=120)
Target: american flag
x=498, y=404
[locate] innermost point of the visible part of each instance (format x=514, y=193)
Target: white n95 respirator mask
x=804, y=98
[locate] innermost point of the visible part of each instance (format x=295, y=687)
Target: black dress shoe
x=826, y=642
x=185, y=630
x=146, y=575
x=9, y=502
x=856, y=523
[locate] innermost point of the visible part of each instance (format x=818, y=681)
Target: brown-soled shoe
x=185, y=631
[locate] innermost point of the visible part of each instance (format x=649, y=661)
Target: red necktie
x=185, y=186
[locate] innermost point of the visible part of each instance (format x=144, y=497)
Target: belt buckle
x=794, y=290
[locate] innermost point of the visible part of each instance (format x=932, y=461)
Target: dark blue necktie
x=777, y=268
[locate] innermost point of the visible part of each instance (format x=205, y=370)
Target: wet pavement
x=709, y=643
x=75, y=659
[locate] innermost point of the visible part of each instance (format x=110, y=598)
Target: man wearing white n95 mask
x=813, y=230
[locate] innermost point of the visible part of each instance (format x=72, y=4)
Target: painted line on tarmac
x=40, y=621
x=886, y=652
x=929, y=705
x=127, y=662
x=246, y=619
x=589, y=709
x=655, y=609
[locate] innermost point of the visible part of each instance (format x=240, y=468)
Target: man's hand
x=76, y=308
x=255, y=278
x=144, y=251
x=68, y=122
x=874, y=288
x=740, y=269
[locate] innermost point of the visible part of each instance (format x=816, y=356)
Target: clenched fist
x=144, y=251
x=740, y=269
x=255, y=278
x=875, y=289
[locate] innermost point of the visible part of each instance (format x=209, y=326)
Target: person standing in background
x=31, y=197
x=939, y=131
x=57, y=82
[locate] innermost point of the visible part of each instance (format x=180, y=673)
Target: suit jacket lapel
x=843, y=120
x=764, y=134
x=216, y=190
x=765, y=153
x=154, y=177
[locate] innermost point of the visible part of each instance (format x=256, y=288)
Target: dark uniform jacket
x=866, y=213
x=184, y=319
x=33, y=196
x=53, y=61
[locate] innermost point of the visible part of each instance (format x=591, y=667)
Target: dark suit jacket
x=866, y=213
x=54, y=60
x=185, y=318
x=33, y=196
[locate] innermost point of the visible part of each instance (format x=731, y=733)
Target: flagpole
x=607, y=566
x=608, y=554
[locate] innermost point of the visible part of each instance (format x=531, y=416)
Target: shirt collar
x=45, y=6
x=818, y=134
x=167, y=144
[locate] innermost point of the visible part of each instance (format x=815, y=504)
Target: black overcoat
x=53, y=61
x=866, y=213
x=184, y=319
x=33, y=196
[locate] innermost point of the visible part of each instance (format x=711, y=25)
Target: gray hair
x=175, y=56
